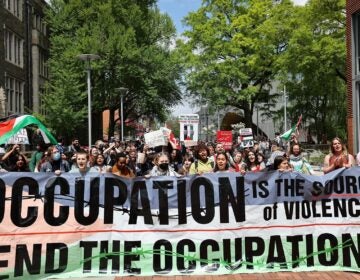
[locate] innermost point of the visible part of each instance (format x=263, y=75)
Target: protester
x=261, y=160
x=100, y=165
x=237, y=160
x=281, y=163
x=176, y=160
x=338, y=157
x=36, y=156
x=3, y=166
x=162, y=167
x=82, y=164
x=298, y=162
x=54, y=162
x=11, y=156
x=20, y=165
x=201, y=164
x=251, y=163
x=221, y=162
x=186, y=164
x=120, y=168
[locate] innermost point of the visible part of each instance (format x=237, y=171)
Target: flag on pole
x=10, y=127
x=287, y=134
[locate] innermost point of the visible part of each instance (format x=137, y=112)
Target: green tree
x=313, y=67
x=231, y=48
x=132, y=39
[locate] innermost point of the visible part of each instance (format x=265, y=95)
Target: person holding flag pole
x=293, y=131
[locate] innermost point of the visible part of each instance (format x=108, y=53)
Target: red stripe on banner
x=319, y=198
x=176, y=230
x=6, y=126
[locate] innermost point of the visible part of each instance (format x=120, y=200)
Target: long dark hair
x=216, y=168
x=278, y=160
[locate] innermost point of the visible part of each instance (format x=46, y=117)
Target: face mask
x=164, y=166
x=56, y=156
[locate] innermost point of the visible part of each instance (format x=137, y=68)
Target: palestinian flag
x=287, y=134
x=13, y=125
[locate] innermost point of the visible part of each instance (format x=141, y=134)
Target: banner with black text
x=218, y=223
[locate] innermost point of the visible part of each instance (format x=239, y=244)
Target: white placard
x=155, y=138
x=19, y=138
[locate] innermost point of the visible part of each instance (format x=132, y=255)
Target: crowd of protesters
x=135, y=158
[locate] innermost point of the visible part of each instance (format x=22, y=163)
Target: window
x=39, y=23
x=14, y=46
x=43, y=68
x=356, y=36
x=15, y=7
x=14, y=95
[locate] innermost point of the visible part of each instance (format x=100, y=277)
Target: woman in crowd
x=20, y=165
x=261, y=160
x=94, y=152
x=202, y=164
x=120, y=168
x=82, y=164
x=298, y=162
x=54, y=162
x=100, y=165
x=11, y=156
x=237, y=161
x=222, y=162
x=281, y=163
x=162, y=167
x=338, y=157
x=187, y=161
x=176, y=160
x=251, y=163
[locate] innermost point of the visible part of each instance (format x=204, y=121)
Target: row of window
x=356, y=30
x=14, y=52
x=15, y=7
x=43, y=67
x=14, y=89
x=14, y=46
x=39, y=23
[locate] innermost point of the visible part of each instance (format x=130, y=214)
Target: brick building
x=353, y=74
x=23, y=53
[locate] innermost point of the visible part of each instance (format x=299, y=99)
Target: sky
x=177, y=10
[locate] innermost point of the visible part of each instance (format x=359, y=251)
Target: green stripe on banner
x=27, y=120
x=242, y=255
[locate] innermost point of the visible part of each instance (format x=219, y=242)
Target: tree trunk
x=247, y=114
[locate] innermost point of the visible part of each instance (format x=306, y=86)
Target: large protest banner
x=220, y=223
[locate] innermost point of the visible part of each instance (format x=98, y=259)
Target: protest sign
x=224, y=137
x=218, y=223
x=20, y=137
x=155, y=138
x=189, y=127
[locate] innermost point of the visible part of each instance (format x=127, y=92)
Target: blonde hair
x=343, y=147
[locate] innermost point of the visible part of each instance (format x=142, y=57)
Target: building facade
x=353, y=74
x=23, y=54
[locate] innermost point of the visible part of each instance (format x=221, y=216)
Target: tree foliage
x=313, y=67
x=231, y=48
x=234, y=49
x=132, y=39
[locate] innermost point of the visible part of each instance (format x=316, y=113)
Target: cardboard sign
x=155, y=138
x=19, y=138
x=224, y=137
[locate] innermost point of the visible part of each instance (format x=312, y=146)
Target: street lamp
x=122, y=91
x=88, y=57
x=285, y=105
